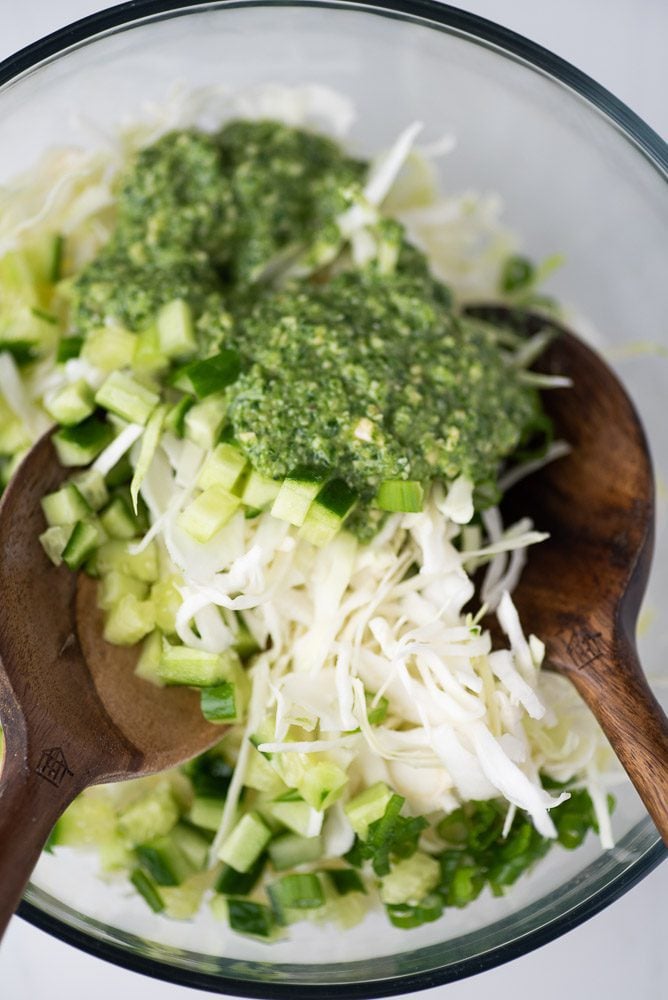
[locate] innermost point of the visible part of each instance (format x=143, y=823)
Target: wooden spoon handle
x=31, y=800
x=616, y=691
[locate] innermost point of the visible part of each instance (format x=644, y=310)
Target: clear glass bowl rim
x=649, y=144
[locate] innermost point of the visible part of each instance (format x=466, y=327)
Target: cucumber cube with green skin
x=223, y=467
x=289, y=850
x=114, y=586
x=204, y=421
x=123, y=395
x=115, y=555
x=219, y=703
x=211, y=375
x=86, y=537
x=400, y=496
x=248, y=917
x=72, y=404
x=148, y=357
x=175, y=420
x=167, y=601
x=194, y=844
x=206, y=812
x=327, y=513
x=148, y=664
x=164, y=861
x=261, y=775
x=68, y=348
x=259, y=491
x=196, y=667
x=118, y=520
x=147, y=888
x=176, y=334
x=297, y=816
x=65, y=506
x=208, y=513
x=92, y=487
x=295, y=496
x=80, y=445
x=152, y=815
x=54, y=540
x=245, y=843
x=322, y=784
x=129, y=621
x=109, y=348
x=367, y=807
x=234, y=883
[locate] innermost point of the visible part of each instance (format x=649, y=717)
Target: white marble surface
x=621, y=952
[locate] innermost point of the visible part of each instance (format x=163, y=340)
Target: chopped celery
x=127, y=398
x=208, y=513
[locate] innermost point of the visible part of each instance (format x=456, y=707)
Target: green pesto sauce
x=368, y=375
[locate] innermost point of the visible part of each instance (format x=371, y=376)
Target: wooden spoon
x=581, y=590
x=73, y=712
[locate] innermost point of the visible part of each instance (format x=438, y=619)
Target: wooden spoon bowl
x=72, y=709
x=581, y=590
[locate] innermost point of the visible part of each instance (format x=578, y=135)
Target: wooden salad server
x=581, y=590
x=73, y=712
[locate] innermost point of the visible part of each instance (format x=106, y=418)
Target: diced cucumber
x=206, y=812
x=208, y=513
x=295, y=496
x=245, y=843
x=86, y=537
x=147, y=888
x=80, y=445
x=163, y=859
x=182, y=902
x=148, y=357
x=223, y=467
x=259, y=491
x=68, y=348
x=203, y=422
x=322, y=783
x=219, y=703
x=115, y=555
x=196, y=667
x=328, y=512
x=114, y=586
x=299, y=891
x=129, y=621
x=290, y=850
x=345, y=880
x=410, y=879
x=176, y=334
x=167, y=601
x=194, y=844
x=175, y=420
x=54, y=540
x=118, y=520
x=89, y=821
x=297, y=815
x=72, y=404
x=234, y=883
x=109, y=348
x=65, y=506
x=209, y=376
x=127, y=398
x=367, y=807
x=148, y=664
x=248, y=917
x=92, y=487
x=261, y=775
x=153, y=815
x=399, y=495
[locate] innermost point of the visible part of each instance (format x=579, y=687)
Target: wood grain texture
x=72, y=710
x=581, y=590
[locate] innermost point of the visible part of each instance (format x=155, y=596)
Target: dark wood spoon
x=581, y=590
x=73, y=712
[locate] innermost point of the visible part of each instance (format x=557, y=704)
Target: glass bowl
x=579, y=174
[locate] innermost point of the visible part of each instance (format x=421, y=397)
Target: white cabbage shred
x=391, y=617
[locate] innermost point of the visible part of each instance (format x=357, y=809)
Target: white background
x=622, y=952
